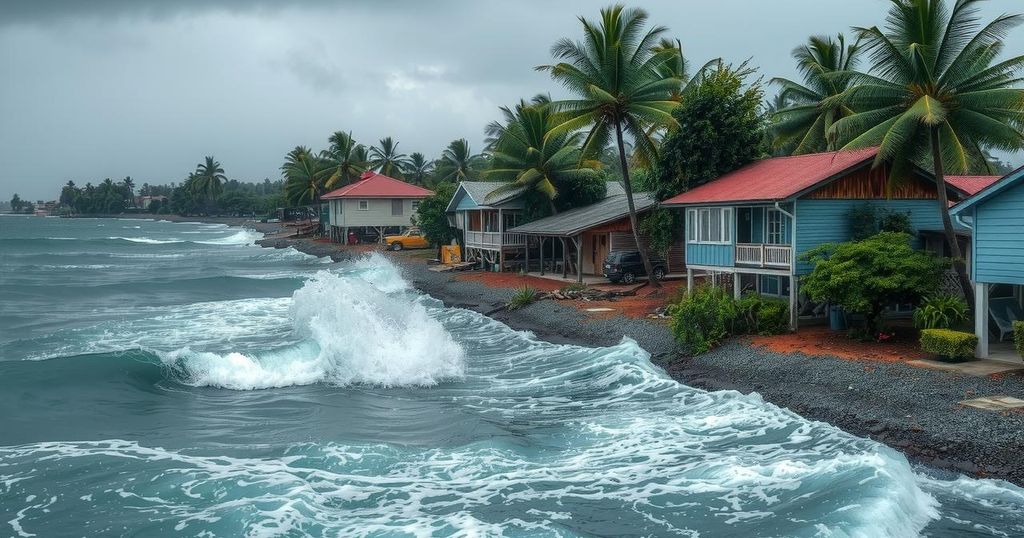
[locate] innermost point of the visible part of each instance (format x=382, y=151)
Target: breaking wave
x=352, y=331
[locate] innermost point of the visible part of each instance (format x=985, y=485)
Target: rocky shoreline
x=911, y=409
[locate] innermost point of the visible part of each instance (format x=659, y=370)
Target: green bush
x=1018, y=337
x=522, y=297
x=575, y=286
x=949, y=344
x=940, y=312
x=702, y=319
x=759, y=315
x=864, y=277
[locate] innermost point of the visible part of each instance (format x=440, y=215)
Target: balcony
x=494, y=240
x=762, y=255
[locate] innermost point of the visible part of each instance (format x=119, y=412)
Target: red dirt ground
x=646, y=300
x=822, y=341
x=509, y=280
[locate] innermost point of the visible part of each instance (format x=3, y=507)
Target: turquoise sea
x=174, y=379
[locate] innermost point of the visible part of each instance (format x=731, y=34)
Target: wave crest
x=353, y=332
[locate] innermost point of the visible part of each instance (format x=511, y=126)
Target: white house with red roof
x=756, y=222
x=375, y=203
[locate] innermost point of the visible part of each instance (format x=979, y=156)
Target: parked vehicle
x=412, y=238
x=627, y=266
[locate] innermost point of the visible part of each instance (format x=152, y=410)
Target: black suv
x=626, y=266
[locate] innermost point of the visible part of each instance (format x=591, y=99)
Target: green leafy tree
x=864, y=277
x=348, y=159
x=457, y=163
x=129, y=187
x=69, y=194
x=17, y=203
x=387, y=160
x=806, y=115
x=720, y=128
x=432, y=218
x=936, y=97
x=528, y=156
x=621, y=90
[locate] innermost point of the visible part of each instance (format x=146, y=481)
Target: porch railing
x=762, y=255
x=494, y=240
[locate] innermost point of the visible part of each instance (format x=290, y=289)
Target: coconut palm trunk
x=959, y=264
x=645, y=254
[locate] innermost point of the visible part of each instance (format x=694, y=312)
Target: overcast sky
x=109, y=88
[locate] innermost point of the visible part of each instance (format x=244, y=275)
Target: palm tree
x=935, y=98
x=346, y=157
x=208, y=181
x=457, y=162
x=305, y=176
x=418, y=168
x=803, y=122
x=622, y=89
x=528, y=157
x=129, y=187
x=386, y=160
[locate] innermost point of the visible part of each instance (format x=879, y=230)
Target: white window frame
x=363, y=205
x=701, y=221
x=780, y=234
x=415, y=205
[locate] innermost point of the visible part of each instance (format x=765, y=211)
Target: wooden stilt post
x=689, y=280
x=542, y=255
x=578, y=241
x=737, y=288
x=981, y=319
x=565, y=259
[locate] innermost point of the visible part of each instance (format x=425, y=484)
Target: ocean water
x=160, y=378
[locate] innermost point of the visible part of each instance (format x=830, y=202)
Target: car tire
x=396, y=246
x=659, y=273
x=628, y=277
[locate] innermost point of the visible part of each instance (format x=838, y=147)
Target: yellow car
x=410, y=239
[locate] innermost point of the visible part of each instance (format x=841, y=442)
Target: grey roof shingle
x=575, y=221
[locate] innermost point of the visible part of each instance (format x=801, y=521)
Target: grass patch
x=522, y=298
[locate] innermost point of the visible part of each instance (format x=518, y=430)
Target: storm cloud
x=146, y=88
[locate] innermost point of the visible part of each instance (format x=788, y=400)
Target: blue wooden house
x=755, y=223
x=484, y=217
x=996, y=216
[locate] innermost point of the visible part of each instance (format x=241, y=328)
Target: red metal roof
x=374, y=185
x=774, y=179
x=972, y=184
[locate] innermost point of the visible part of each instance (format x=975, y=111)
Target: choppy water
x=175, y=379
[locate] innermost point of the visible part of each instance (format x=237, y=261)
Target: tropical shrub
x=431, y=216
x=575, y=286
x=948, y=343
x=760, y=315
x=1018, y=337
x=940, y=312
x=522, y=297
x=704, y=318
x=865, y=276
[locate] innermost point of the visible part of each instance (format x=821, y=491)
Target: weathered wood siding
x=999, y=238
x=870, y=184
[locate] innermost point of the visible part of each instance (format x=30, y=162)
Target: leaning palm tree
x=418, y=168
x=209, y=180
x=935, y=97
x=803, y=122
x=387, y=160
x=622, y=90
x=346, y=157
x=457, y=163
x=528, y=157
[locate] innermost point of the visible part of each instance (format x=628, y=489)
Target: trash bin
x=836, y=318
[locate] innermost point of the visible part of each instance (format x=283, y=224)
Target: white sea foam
x=243, y=237
x=148, y=241
x=352, y=331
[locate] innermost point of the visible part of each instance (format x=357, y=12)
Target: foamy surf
x=351, y=331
